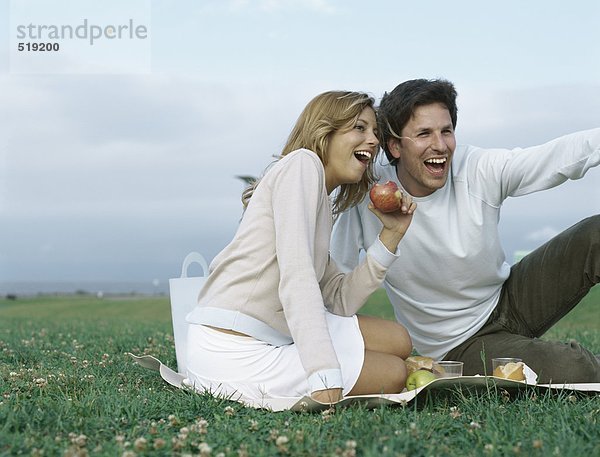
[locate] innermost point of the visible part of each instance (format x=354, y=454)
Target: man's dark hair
x=398, y=106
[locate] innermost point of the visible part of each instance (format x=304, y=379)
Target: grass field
x=69, y=389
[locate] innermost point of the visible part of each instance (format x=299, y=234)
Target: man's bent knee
x=585, y=366
x=589, y=229
x=566, y=363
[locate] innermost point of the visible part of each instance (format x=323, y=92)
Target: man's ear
x=395, y=147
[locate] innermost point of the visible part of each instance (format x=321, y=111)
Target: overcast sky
x=113, y=176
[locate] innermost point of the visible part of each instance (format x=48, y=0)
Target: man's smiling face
x=425, y=150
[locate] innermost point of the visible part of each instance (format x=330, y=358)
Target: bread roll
x=418, y=362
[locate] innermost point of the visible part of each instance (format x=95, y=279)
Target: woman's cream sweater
x=275, y=279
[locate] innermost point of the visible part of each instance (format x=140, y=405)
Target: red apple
x=386, y=197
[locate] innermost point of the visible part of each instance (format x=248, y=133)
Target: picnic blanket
x=440, y=385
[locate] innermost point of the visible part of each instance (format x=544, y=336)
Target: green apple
x=419, y=378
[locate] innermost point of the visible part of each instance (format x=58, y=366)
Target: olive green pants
x=542, y=288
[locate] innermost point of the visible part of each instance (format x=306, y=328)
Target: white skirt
x=233, y=366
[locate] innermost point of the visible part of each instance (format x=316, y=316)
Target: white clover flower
x=40, y=382
x=281, y=440
x=80, y=440
x=204, y=449
x=159, y=443
x=281, y=443
x=202, y=426
x=140, y=444
x=229, y=411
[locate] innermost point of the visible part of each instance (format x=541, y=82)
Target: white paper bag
x=184, y=296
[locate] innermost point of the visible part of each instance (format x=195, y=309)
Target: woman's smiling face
x=350, y=151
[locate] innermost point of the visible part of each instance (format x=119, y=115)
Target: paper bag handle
x=193, y=257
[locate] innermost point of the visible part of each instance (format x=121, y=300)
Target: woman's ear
x=394, y=147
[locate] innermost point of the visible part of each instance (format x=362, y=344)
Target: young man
x=451, y=287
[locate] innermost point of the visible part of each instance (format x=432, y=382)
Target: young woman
x=276, y=318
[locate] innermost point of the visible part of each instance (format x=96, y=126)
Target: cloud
x=525, y=116
x=134, y=171
x=130, y=140
x=529, y=221
x=542, y=235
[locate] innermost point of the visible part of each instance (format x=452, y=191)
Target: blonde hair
x=325, y=114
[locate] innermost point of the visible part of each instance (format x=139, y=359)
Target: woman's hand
x=327, y=396
x=396, y=223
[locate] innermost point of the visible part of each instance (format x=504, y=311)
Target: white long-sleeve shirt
x=275, y=279
x=449, y=277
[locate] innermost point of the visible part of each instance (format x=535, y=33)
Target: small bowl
x=501, y=361
x=447, y=369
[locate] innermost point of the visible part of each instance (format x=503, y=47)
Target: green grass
x=68, y=388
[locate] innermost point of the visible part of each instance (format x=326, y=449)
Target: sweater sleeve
x=296, y=195
x=523, y=171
